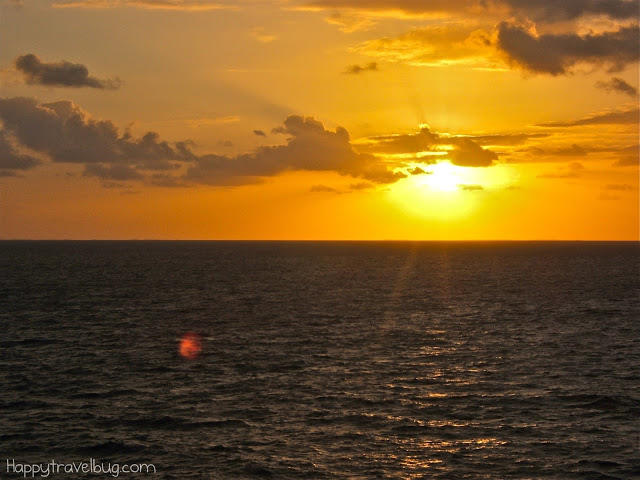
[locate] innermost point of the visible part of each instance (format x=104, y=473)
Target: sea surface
x=323, y=360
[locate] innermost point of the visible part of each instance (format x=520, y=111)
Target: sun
x=443, y=177
x=447, y=192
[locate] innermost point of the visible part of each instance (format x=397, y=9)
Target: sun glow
x=447, y=192
x=443, y=177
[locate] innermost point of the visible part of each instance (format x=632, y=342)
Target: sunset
x=319, y=239
x=327, y=119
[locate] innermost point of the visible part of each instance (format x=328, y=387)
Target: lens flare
x=190, y=345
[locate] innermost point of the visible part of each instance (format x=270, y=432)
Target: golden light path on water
x=447, y=192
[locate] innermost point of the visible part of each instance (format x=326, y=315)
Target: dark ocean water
x=323, y=360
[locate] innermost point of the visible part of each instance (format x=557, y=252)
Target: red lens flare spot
x=190, y=345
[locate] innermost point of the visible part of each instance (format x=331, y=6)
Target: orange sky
x=319, y=119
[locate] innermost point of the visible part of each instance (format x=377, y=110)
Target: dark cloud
x=609, y=118
x=555, y=54
x=323, y=189
x=163, y=180
x=66, y=133
x=471, y=188
x=259, y=133
x=550, y=11
x=618, y=85
x=112, y=172
x=309, y=147
x=357, y=69
x=361, y=186
x=508, y=139
x=462, y=151
x=629, y=157
x=417, y=171
x=560, y=10
x=60, y=74
x=8, y=173
x=467, y=153
x=185, y=5
x=11, y=158
x=572, y=151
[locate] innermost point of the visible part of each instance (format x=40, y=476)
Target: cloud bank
x=461, y=151
x=60, y=74
x=65, y=133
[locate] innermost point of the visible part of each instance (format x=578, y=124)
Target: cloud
x=260, y=35
x=418, y=171
x=259, y=133
x=357, y=69
x=629, y=157
x=573, y=170
x=310, y=147
x=112, y=172
x=66, y=133
x=461, y=151
x=572, y=151
x=620, y=187
x=555, y=11
x=607, y=118
x=618, y=85
x=185, y=5
x=361, y=186
x=507, y=139
x=471, y=188
x=435, y=45
x=467, y=153
x=349, y=23
x=11, y=158
x=549, y=11
x=555, y=54
x=60, y=74
x=323, y=189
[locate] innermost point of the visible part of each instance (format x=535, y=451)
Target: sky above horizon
x=319, y=119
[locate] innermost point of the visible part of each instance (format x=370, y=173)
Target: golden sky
x=319, y=119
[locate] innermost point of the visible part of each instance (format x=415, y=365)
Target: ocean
x=321, y=360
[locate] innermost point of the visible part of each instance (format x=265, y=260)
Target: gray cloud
x=361, y=186
x=618, y=85
x=550, y=11
x=572, y=151
x=259, y=133
x=507, y=139
x=357, y=69
x=471, y=188
x=417, y=171
x=60, y=74
x=112, y=172
x=11, y=158
x=66, y=133
x=463, y=150
x=555, y=54
x=309, y=147
x=629, y=157
x=554, y=10
x=609, y=118
x=323, y=189
x=186, y=5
